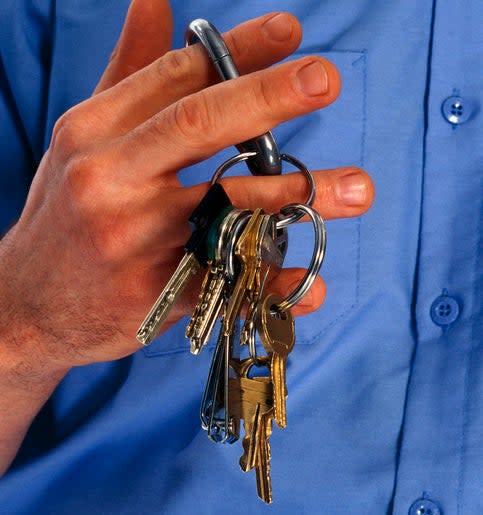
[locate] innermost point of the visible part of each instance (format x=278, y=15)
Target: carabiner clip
x=267, y=160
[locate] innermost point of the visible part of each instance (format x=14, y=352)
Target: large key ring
x=317, y=256
x=294, y=216
x=268, y=160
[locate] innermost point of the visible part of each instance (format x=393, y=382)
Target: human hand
x=106, y=217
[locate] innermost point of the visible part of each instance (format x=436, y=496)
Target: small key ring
x=268, y=160
x=317, y=256
x=245, y=156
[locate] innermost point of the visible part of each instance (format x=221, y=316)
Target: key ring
x=317, y=256
x=268, y=160
x=295, y=216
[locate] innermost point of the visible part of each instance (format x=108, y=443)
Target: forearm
x=21, y=398
x=27, y=377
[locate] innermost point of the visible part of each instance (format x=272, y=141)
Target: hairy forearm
x=27, y=377
x=21, y=398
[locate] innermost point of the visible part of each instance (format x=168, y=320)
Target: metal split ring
x=318, y=255
x=284, y=221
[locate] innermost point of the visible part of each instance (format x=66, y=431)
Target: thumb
x=146, y=35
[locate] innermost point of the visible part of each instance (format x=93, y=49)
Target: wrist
x=24, y=360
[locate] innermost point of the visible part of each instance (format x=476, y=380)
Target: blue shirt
x=385, y=406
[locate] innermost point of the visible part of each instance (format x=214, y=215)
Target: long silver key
x=207, y=213
x=215, y=414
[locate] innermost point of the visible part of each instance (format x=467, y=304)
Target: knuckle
x=265, y=98
x=175, y=65
x=66, y=133
x=82, y=178
x=194, y=119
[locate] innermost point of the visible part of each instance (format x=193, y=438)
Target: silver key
x=215, y=415
x=216, y=286
x=203, y=221
x=183, y=274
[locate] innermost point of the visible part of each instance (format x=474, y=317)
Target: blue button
x=425, y=507
x=445, y=310
x=457, y=110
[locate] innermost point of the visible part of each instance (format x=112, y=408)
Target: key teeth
x=281, y=423
x=141, y=338
x=195, y=349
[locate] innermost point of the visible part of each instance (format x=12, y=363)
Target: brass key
x=251, y=399
x=264, y=482
x=277, y=334
x=272, y=247
x=248, y=254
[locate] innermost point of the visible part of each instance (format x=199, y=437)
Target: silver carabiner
x=267, y=160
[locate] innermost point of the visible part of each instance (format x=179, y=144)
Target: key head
x=210, y=210
x=275, y=328
x=251, y=400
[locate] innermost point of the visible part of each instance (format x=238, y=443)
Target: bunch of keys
x=241, y=251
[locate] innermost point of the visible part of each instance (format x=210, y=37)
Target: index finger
x=254, y=45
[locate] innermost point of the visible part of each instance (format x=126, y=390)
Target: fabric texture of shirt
x=385, y=406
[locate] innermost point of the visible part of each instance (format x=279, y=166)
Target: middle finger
x=254, y=45
x=341, y=193
x=199, y=125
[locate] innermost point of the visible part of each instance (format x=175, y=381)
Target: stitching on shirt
x=359, y=219
x=468, y=373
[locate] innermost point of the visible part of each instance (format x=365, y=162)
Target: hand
x=106, y=217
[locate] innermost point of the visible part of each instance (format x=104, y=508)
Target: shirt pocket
x=328, y=138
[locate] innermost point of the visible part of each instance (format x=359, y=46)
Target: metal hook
x=268, y=160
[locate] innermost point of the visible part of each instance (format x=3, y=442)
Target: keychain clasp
x=267, y=160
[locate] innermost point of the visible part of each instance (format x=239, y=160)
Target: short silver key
x=217, y=283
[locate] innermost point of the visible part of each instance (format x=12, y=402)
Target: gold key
x=266, y=227
x=277, y=334
x=251, y=399
x=264, y=483
x=247, y=252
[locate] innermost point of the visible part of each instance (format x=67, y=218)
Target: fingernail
x=351, y=190
x=313, y=79
x=278, y=27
